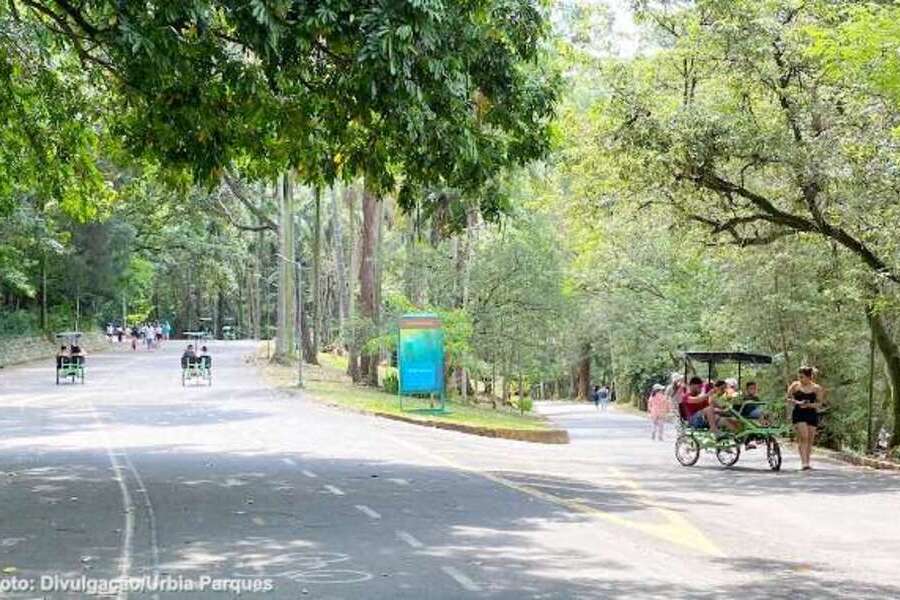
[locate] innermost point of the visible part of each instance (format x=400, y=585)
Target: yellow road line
x=674, y=528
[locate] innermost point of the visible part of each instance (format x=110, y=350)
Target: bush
x=19, y=322
x=391, y=383
x=524, y=404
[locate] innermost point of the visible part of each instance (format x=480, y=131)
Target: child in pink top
x=659, y=408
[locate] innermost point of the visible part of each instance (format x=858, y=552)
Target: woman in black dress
x=806, y=396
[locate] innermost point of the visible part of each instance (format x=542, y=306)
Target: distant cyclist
x=188, y=356
x=62, y=356
x=205, y=357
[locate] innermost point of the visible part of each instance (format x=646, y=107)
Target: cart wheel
x=728, y=452
x=687, y=450
x=773, y=454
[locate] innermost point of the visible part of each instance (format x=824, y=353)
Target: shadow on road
x=228, y=514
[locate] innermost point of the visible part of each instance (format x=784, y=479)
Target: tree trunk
x=891, y=354
x=466, y=258
x=583, y=377
x=376, y=356
x=252, y=309
x=340, y=264
x=367, y=299
x=286, y=326
x=353, y=345
x=220, y=313
x=306, y=338
x=44, y=291
x=316, y=289
x=521, y=385
x=259, y=288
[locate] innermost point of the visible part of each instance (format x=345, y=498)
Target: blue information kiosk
x=420, y=359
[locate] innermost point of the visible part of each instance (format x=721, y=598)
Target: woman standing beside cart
x=806, y=396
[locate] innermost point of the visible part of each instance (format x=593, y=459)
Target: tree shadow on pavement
x=716, y=480
x=360, y=528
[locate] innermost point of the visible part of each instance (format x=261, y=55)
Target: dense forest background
x=576, y=216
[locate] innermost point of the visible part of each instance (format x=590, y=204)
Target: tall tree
x=286, y=333
x=756, y=145
x=316, y=275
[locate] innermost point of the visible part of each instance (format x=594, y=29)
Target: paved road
x=134, y=475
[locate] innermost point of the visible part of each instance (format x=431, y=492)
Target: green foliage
x=18, y=322
x=524, y=404
x=863, y=48
x=715, y=198
x=442, y=92
x=390, y=382
x=50, y=137
x=517, y=301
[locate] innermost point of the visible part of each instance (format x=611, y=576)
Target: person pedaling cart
x=70, y=359
x=716, y=418
x=196, y=366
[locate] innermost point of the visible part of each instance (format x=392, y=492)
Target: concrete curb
x=847, y=457
x=536, y=436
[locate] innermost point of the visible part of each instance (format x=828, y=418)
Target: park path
x=134, y=474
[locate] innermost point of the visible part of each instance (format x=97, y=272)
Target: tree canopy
x=576, y=215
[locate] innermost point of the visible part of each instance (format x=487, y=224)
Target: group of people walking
x=603, y=395
x=150, y=334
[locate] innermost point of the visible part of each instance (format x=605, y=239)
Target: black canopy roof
x=735, y=357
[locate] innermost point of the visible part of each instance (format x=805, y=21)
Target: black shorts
x=805, y=415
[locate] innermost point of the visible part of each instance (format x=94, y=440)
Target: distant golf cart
x=748, y=432
x=69, y=368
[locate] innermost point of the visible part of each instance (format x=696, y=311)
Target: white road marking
x=334, y=490
x=259, y=521
x=398, y=481
x=309, y=474
x=151, y=517
x=127, y=504
x=466, y=583
x=411, y=541
x=367, y=511
x=289, y=461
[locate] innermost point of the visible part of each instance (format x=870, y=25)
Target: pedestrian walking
x=807, y=398
x=659, y=406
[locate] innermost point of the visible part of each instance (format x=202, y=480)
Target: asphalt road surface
x=233, y=486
